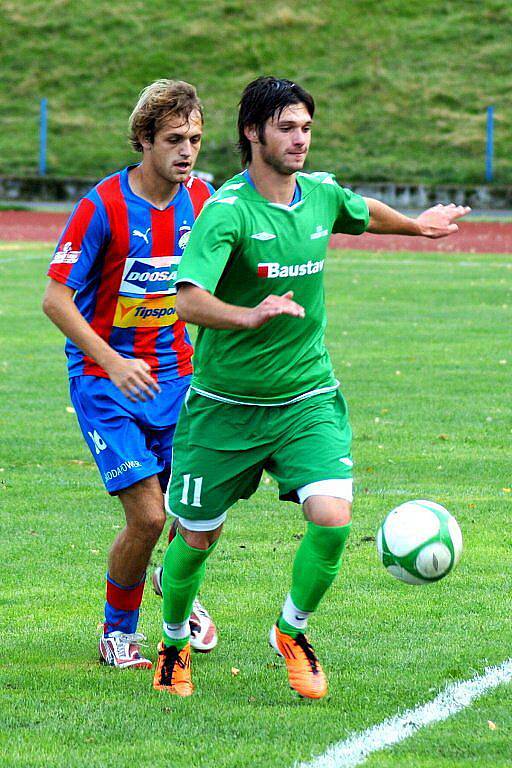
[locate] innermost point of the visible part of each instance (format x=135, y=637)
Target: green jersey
x=242, y=249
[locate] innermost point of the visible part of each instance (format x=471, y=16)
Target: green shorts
x=220, y=451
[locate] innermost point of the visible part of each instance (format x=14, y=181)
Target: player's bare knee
x=153, y=525
x=328, y=511
x=147, y=527
x=327, y=502
x=199, y=539
x=143, y=505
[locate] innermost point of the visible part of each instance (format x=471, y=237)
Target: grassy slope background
x=419, y=342
x=401, y=86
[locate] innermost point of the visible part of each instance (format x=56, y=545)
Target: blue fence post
x=489, y=153
x=43, y=131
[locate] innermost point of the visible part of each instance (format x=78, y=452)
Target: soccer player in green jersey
x=264, y=394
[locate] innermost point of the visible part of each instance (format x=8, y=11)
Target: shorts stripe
x=297, y=399
x=203, y=525
x=338, y=488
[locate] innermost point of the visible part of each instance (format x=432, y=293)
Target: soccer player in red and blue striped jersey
x=111, y=292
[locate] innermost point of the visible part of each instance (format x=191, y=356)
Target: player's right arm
x=213, y=242
x=435, y=222
x=83, y=240
x=130, y=375
x=357, y=214
x=198, y=306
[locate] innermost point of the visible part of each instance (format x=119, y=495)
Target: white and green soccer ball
x=419, y=542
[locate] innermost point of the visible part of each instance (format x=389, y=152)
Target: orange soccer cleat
x=305, y=673
x=173, y=670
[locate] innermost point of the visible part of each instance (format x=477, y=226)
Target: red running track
x=473, y=237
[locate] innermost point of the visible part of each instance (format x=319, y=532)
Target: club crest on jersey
x=320, y=232
x=274, y=269
x=66, y=255
x=184, y=236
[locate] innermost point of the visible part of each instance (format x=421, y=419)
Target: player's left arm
x=438, y=221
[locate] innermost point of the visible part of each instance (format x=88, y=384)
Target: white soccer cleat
x=118, y=649
x=203, y=633
x=157, y=580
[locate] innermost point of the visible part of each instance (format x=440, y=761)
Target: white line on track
x=39, y=257
x=340, y=261
x=334, y=262
x=455, y=697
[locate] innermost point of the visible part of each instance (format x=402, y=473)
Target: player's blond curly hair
x=156, y=103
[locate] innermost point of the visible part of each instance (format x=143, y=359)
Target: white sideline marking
x=37, y=257
x=340, y=261
x=455, y=697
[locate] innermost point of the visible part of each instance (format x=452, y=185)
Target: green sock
x=316, y=564
x=287, y=628
x=180, y=644
x=184, y=569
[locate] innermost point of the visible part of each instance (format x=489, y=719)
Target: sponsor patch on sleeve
x=66, y=255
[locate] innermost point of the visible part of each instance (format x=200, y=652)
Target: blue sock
x=122, y=606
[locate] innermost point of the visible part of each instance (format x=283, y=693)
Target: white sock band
x=294, y=616
x=338, y=488
x=177, y=631
x=203, y=525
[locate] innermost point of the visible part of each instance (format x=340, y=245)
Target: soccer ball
x=419, y=542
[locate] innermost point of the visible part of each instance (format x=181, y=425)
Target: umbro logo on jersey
x=144, y=235
x=66, y=255
x=320, y=232
x=274, y=269
x=263, y=236
x=347, y=462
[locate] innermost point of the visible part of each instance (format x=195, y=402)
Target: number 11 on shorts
x=198, y=484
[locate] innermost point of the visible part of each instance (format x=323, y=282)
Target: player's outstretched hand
x=271, y=307
x=133, y=378
x=439, y=221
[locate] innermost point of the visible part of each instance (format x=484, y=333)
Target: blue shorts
x=129, y=441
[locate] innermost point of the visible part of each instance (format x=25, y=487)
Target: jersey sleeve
x=82, y=240
x=353, y=215
x=214, y=236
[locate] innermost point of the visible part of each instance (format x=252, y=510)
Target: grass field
x=422, y=346
x=402, y=86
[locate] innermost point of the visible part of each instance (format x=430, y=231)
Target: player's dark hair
x=263, y=99
x=156, y=103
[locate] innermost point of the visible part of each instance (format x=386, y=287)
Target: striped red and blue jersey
x=121, y=254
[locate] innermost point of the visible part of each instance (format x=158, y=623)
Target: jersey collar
x=130, y=194
x=297, y=195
